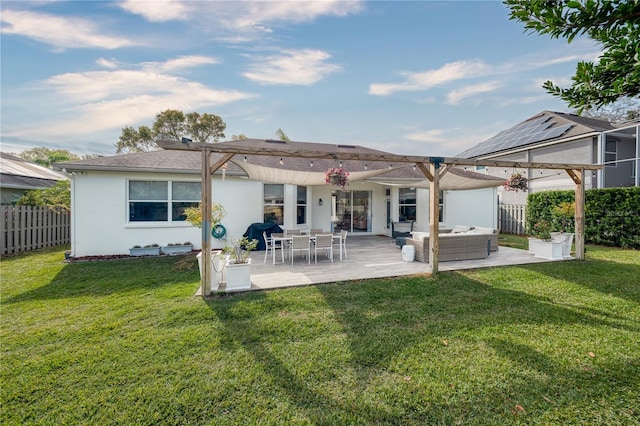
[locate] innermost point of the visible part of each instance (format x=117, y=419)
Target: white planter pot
x=567, y=242
x=238, y=276
x=182, y=249
x=551, y=250
x=217, y=266
x=532, y=244
x=144, y=251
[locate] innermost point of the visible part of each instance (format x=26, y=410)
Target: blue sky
x=410, y=77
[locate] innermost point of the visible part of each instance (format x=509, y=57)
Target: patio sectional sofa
x=459, y=243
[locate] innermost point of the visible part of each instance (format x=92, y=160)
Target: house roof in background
x=19, y=173
x=548, y=126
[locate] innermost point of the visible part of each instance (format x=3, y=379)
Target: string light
x=366, y=166
x=245, y=158
x=389, y=166
x=311, y=163
x=340, y=163
x=414, y=167
x=281, y=162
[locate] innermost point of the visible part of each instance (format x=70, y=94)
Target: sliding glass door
x=351, y=211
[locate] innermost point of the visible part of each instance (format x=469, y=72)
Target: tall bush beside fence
x=24, y=228
x=612, y=215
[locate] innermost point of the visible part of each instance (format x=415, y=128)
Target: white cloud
x=299, y=67
x=89, y=102
x=107, y=63
x=455, y=96
x=180, y=63
x=425, y=80
x=60, y=32
x=157, y=10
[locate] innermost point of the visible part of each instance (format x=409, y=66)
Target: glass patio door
x=351, y=211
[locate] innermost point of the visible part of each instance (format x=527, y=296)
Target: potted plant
x=238, y=268
x=177, y=248
x=148, y=250
x=542, y=245
x=336, y=176
x=563, y=216
x=516, y=182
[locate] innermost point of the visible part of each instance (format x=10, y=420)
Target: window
x=611, y=153
x=407, y=204
x=441, y=207
x=274, y=203
x=301, y=205
x=161, y=201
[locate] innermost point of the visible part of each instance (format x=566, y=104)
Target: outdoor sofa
x=459, y=243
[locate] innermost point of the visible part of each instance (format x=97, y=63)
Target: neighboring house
x=139, y=199
x=18, y=176
x=556, y=137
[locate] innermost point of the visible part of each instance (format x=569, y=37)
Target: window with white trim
x=161, y=201
x=407, y=204
x=274, y=203
x=301, y=205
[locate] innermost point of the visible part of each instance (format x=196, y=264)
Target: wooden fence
x=511, y=218
x=24, y=228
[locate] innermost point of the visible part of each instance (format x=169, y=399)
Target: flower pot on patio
x=238, y=275
x=551, y=250
x=567, y=242
x=217, y=266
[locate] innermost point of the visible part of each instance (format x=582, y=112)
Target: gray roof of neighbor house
x=268, y=166
x=548, y=126
x=16, y=172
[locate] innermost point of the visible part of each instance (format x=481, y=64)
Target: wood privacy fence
x=24, y=228
x=511, y=218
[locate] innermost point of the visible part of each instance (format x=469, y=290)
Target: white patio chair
x=272, y=246
x=324, y=242
x=301, y=243
x=343, y=242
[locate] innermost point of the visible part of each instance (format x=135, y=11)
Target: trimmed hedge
x=612, y=215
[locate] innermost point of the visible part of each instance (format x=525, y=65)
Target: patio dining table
x=288, y=239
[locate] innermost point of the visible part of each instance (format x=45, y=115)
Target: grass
x=126, y=342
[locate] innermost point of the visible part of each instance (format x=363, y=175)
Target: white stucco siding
x=472, y=208
x=101, y=227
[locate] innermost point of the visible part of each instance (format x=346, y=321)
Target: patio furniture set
x=291, y=242
x=457, y=243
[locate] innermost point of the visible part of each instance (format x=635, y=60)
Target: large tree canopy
x=46, y=156
x=172, y=124
x=615, y=24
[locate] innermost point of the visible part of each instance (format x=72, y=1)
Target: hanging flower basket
x=516, y=182
x=337, y=177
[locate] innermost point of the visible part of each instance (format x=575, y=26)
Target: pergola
x=433, y=168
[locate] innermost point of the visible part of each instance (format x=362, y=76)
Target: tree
x=46, y=157
x=614, y=24
x=239, y=137
x=174, y=125
x=57, y=197
x=624, y=109
x=282, y=135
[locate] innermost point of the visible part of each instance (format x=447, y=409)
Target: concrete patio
x=371, y=256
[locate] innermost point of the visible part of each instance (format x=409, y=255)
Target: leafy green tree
x=174, y=125
x=614, y=24
x=45, y=156
x=282, y=135
x=57, y=197
x=625, y=109
x=239, y=137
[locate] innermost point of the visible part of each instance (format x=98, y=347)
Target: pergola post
x=434, y=219
x=578, y=178
x=205, y=289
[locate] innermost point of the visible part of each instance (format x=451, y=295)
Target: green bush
x=612, y=215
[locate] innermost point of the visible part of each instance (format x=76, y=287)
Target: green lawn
x=126, y=342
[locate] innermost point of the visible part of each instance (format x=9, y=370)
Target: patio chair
x=315, y=231
x=292, y=232
x=324, y=242
x=272, y=246
x=301, y=243
x=343, y=241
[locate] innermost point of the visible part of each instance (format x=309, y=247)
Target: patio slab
x=370, y=256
